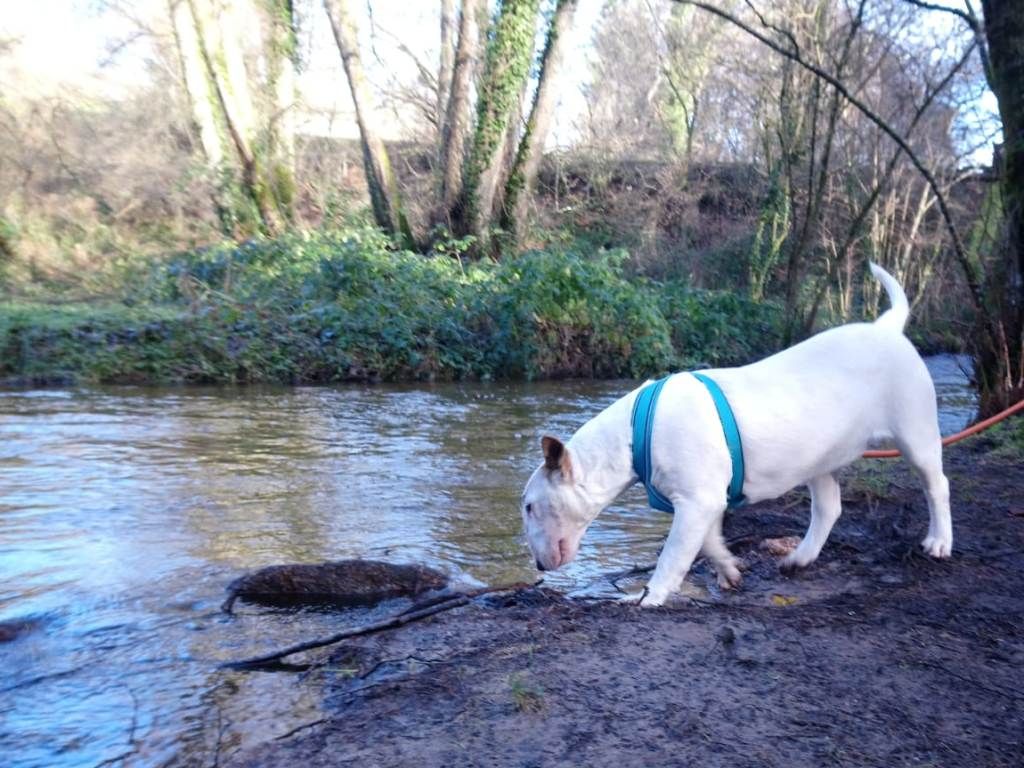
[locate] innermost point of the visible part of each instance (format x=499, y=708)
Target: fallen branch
x=417, y=612
x=300, y=728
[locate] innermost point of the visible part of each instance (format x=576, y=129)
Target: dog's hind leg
x=925, y=456
x=727, y=566
x=825, y=509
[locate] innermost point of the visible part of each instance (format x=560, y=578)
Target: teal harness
x=643, y=425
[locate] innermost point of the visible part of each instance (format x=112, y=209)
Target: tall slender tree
x=458, y=115
x=282, y=64
x=506, y=69
x=231, y=130
x=449, y=27
x=523, y=175
x=380, y=178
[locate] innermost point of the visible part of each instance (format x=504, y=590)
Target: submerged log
x=341, y=583
x=15, y=628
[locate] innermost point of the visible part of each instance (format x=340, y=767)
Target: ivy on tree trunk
x=507, y=66
x=531, y=147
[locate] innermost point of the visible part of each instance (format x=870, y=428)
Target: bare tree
x=458, y=116
x=197, y=82
x=380, y=178
x=282, y=58
x=447, y=60
x=247, y=150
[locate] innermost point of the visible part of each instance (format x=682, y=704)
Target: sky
x=65, y=45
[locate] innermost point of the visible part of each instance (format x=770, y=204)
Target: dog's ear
x=556, y=455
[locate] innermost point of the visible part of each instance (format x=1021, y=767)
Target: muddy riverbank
x=876, y=655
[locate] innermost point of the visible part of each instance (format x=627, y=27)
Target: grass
x=1007, y=438
x=868, y=480
x=527, y=695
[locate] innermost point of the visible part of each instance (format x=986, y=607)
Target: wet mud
x=876, y=655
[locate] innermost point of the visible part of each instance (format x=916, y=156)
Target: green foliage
x=344, y=305
x=559, y=314
x=1008, y=437
x=719, y=328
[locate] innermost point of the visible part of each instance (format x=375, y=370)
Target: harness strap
x=642, y=422
x=732, y=439
x=643, y=425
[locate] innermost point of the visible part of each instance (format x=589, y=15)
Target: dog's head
x=556, y=509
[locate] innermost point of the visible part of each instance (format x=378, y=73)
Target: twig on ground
x=410, y=657
x=299, y=728
x=428, y=608
x=634, y=571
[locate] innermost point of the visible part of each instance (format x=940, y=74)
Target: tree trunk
x=447, y=66
x=282, y=56
x=233, y=211
x=197, y=84
x=519, y=189
x=7, y=252
x=509, y=55
x=225, y=67
x=458, y=117
x=999, y=364
x=384, y=195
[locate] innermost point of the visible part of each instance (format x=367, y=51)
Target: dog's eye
x=529, y=508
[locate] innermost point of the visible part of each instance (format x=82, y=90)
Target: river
x=125, y=511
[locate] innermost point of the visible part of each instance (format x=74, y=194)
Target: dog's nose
x=540, y=565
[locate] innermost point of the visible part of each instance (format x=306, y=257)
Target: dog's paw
x=937, y=546
x=653, y=599
x=729, y=575
x=792, y=563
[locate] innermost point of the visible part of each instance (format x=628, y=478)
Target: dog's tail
x=898, y=313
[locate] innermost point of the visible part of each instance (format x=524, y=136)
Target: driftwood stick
x=471, y=594
x=428, y=608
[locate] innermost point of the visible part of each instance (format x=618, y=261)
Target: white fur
x=802, y=413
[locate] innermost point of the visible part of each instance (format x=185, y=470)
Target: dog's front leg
x=691, y=521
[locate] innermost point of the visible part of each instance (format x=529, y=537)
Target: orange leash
x=949, y=440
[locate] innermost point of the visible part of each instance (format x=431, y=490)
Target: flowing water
x=125, y=511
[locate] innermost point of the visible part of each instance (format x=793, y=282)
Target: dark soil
x=876, y=655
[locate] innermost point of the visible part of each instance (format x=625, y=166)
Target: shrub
x=344, y=305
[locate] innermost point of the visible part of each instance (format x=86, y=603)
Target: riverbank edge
x=166, y=345
x=802, y=670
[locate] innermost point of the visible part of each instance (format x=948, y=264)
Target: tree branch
x=918, y=114
x=970, y=18
x=419, y=611
x=970, y=271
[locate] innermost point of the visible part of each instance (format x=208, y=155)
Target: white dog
x=802, y=414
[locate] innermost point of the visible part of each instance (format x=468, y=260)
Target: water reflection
x=125, y=511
